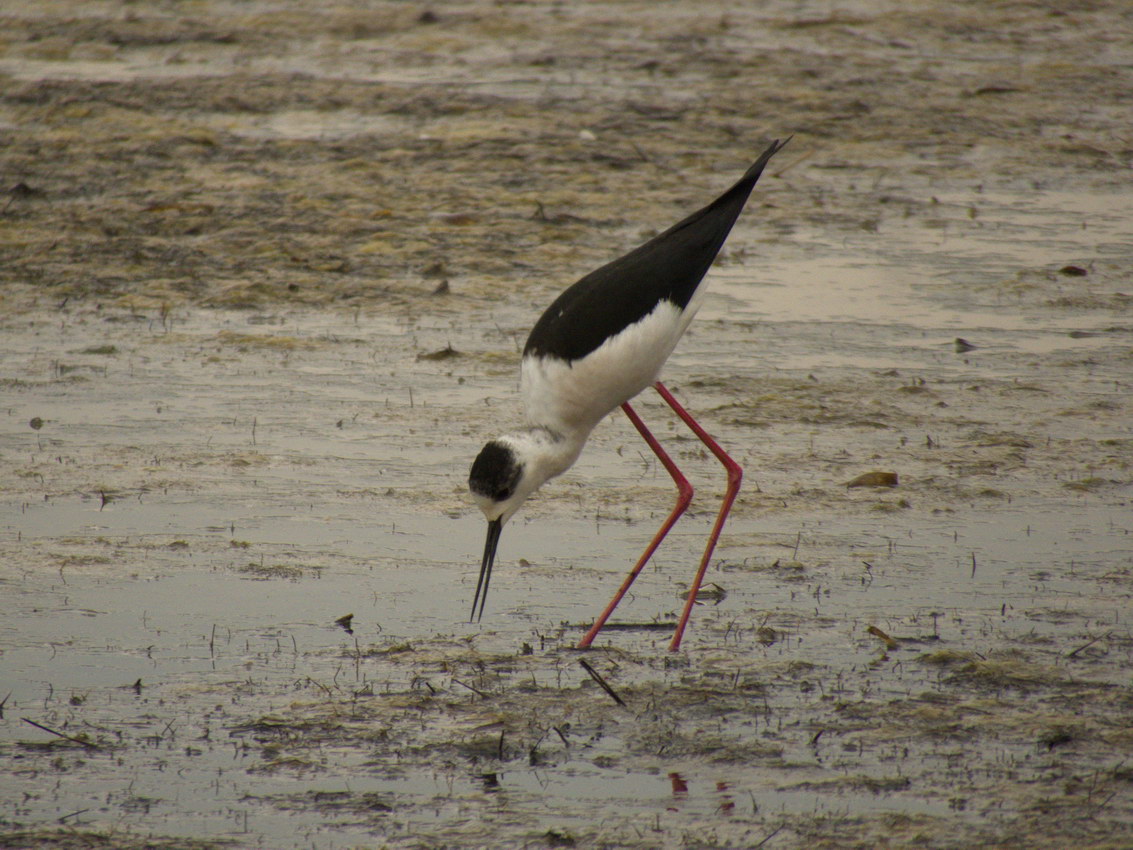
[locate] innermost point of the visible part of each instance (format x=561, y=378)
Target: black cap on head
x=495, y=472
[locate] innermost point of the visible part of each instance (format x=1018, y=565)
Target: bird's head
x=499, y=480
x=505, y=473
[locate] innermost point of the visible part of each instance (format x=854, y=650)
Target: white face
x=501, y=510
x=497, y=478
x=509, y=469
x=501, y=479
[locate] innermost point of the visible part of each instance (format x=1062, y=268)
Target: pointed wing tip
x=757, y=167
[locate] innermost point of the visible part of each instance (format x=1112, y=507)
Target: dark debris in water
x=877, y=478
x=446, y=353
x=739, y=729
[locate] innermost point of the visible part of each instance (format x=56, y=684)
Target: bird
x=600, y=343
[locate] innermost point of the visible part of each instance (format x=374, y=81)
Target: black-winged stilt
x=600, y=343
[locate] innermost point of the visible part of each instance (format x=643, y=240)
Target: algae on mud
x=232, y=236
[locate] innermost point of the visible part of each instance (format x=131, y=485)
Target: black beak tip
x=495, y=526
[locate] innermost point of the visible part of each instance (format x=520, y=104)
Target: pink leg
x=735, y=476
x=684, y=496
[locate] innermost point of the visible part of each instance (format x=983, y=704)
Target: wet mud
x=265, y=271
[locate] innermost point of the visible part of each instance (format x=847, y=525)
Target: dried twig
x=80, y=741
x=771, y=835
x=601, y=682
x=1087, y=645
x=476, y=691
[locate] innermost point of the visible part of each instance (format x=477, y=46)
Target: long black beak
x=495, y=526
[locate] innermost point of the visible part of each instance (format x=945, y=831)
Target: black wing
x=668, y=267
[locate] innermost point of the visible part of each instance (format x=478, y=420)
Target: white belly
x=569, y=397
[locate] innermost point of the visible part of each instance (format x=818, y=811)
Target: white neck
x=545, y=453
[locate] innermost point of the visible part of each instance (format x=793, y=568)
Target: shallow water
x=232, y=416
x=260, y=490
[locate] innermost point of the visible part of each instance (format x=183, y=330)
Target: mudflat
x=265, y=271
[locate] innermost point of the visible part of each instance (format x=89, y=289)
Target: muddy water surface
x=266, y=273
